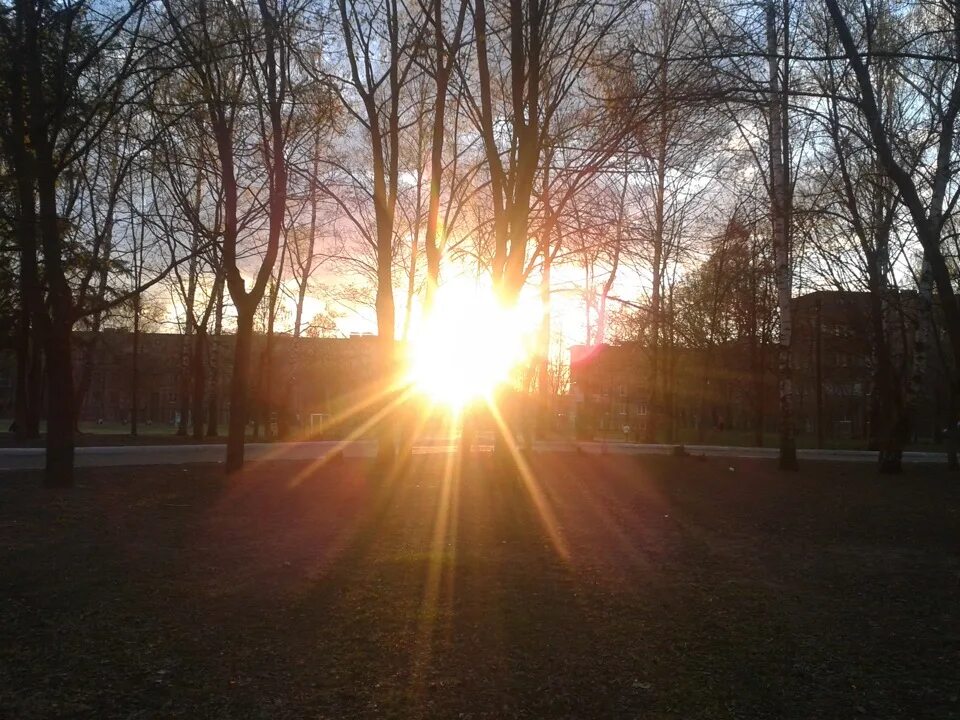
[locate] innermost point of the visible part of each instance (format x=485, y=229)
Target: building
x=834, y=365
x=708, y=392
x=703, y=392
x=310, y=377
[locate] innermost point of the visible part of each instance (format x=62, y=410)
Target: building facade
x=703, y=393
x=309, y=377
x=834, y=365
x=707, y=393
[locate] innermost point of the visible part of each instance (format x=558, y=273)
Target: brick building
x=702, y=390
x=733, y=387
x=310, y=376
x=834, y=364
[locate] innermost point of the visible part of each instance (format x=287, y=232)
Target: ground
x=601, y=587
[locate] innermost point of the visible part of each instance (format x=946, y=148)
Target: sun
x=466, y=347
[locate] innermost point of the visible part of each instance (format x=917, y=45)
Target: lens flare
x=466, y=346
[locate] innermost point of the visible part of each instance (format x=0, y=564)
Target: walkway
x=32, y=458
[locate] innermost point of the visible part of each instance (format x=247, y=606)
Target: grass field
x=606, y=587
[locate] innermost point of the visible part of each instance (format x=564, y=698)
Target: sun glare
x=466, y=347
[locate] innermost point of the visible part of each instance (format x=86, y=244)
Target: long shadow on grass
x=438, y=594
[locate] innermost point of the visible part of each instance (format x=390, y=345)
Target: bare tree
x=759, y=95
x=444, y=52
x=855, y=209
x=926, y=183
x=378, y=43
x=526, y=70
x=238, y=56
x=189, y=202
x=777, y=26
x=368, y=30
x=70, y=71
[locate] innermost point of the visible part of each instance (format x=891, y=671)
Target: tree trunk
x=818, y=365
x=183, y=390
x=431, y=247
x=386, y=318
x=411, y=287
x=756, y=350
x=414, y=249
x=60, y=413
x=60, y=399
x=239, y=386
x=892, y=418
x=615, y=264
x=760, y=398
x=37, y=385
x=704, y=393
x=89, y=348
x=923, y=323
x=307, y=265
x=32, y=318
x=138, y=263
x=135, y=368
x=265, y=385
x=198, y=374
x=441, y=75
x=670, y=395
x=29, y=379
x=213, y=412
x=656, y=282
x=21, y=390
x=779, y=188
x=266, y=382
x=543, y=385
x=543, y=341
x=926, y=208
x=186, y=351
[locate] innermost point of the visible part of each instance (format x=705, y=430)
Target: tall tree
x=925, y=181
x=378, y=42
x=443, y=56
x=777, y=26
x=853, y=211
x=527, y=69
x=69, y=71
x=238, y=56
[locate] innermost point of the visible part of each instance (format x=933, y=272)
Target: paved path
x=32, y=458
